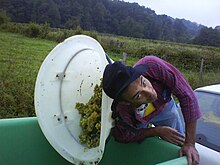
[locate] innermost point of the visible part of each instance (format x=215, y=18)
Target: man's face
x=140, y=92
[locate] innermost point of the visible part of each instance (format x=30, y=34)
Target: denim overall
x=170, y=116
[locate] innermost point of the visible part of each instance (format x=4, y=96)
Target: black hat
x=117, y=77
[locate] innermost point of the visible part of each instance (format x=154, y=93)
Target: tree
x=70, y=12
x=107, y=16
x=72, y=22
x=208, y=36
x=46, y=11
x=98, y=14
x=166, y=32
x=180, y=31
x=129, y=27
x=4, y=18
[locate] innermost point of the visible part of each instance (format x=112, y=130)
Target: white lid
x=68, y=75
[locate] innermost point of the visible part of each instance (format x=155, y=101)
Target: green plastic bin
x=23, y=143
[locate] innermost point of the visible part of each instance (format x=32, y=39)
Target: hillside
x=104, y=16
x=21, y=58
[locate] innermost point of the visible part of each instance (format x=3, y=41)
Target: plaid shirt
x=163, y=76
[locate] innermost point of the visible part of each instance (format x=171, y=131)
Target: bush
x=59, y=35
x=44, y=30
x=92, y=34
x=30, y=30
x=78, y=30
x=33, y=30
x=12, y=27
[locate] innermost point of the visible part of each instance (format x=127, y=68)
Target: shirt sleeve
x=173, y=79
x=124, y=135
x=125, y=130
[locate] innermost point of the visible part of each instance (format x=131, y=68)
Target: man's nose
x=147, y=90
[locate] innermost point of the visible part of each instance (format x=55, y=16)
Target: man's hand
x=190, y=152
x=188, y=148
x=171, y=135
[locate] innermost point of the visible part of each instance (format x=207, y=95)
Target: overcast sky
x=205, y=12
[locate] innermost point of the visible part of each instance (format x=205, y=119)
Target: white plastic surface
x=210, y=88
x=207, y=156
x=68, y=75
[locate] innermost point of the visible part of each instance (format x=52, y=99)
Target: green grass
x=139, y=47
x=21, y=58
x=183, y=56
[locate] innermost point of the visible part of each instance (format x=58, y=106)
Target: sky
x=205, y=12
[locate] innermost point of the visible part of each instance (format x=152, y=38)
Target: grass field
x=21, y=58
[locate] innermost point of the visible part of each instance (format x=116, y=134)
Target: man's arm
x=167, y=133
x=171, y=135
x=179, y=86
x=188, y=147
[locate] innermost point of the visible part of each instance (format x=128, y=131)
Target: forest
x=109, y=16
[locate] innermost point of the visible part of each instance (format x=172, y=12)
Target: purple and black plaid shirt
x=168, y=77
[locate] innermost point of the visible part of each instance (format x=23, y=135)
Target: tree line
x=110, y=16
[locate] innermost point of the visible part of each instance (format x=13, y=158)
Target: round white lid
x=68, y=75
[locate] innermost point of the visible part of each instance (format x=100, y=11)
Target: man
x=142, y=95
